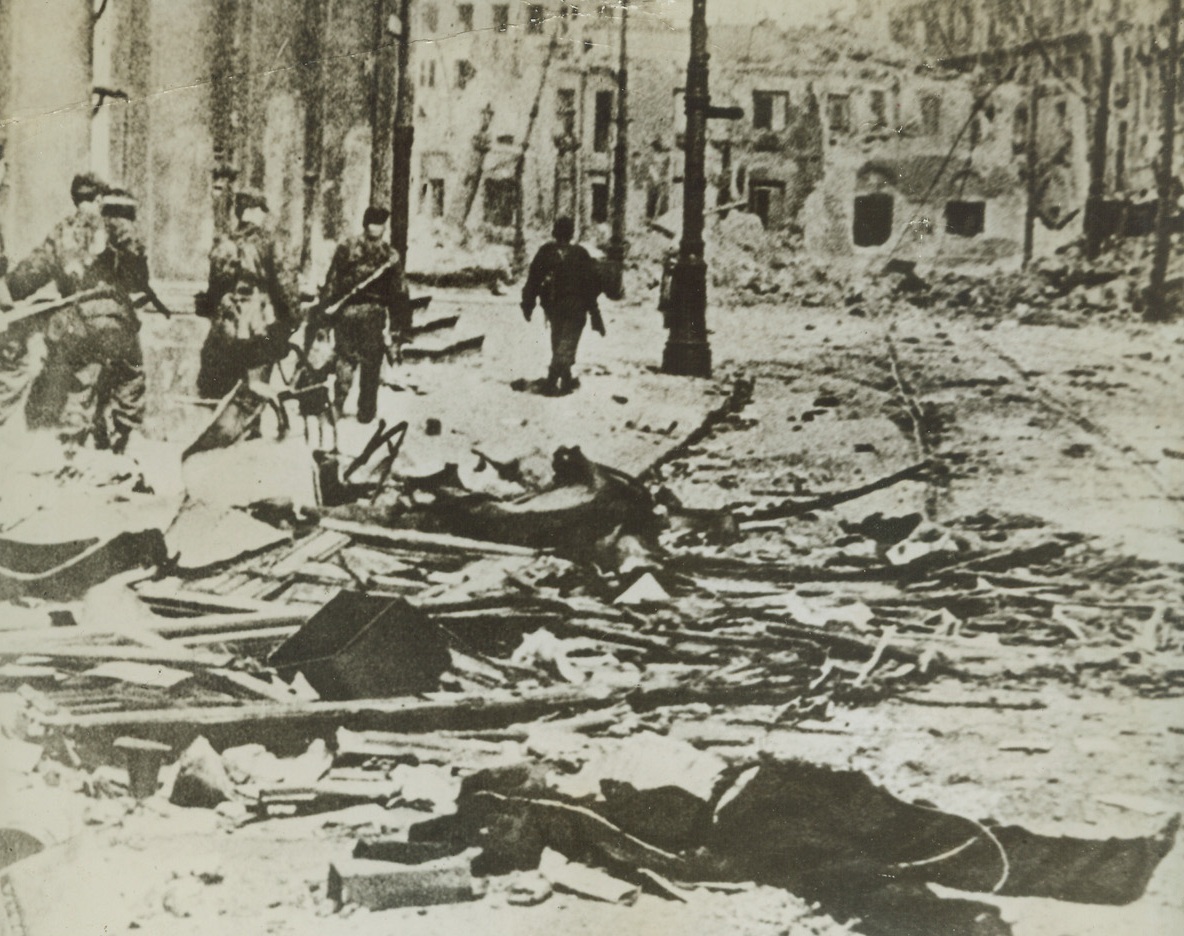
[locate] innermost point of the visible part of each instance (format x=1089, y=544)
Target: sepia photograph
x=640, y=467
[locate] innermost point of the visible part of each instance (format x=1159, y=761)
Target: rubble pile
x=486, y=685
x=1058, y=290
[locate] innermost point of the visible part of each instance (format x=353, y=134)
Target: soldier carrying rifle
x=251, y=303
x=92, y=380
x=362, y=293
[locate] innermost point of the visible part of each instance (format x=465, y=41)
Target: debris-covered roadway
x=844, y=647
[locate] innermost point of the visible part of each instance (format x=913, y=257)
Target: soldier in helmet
x=563, y=277
x=92, y=380
x=369, y=291
x=251, y=302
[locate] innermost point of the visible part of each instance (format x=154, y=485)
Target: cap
x=249, y=198
x=375, y=215
x=119, y=203
x=87, y=187
x=564, y=229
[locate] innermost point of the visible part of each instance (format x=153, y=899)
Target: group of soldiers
x=91, y=385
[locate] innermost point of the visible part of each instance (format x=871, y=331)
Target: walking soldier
x=563, y=277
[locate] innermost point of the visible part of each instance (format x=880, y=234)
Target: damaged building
x=517, y=112
x=862, y=151
x=1092, y=76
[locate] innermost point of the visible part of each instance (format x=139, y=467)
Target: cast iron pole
x=1156, y=308
x=402, y=137
x=687, y=352
x=618, y=245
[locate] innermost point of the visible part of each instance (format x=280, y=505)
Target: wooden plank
x=419, y=540
x=289, y=727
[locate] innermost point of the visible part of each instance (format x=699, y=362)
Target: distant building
x=1092, y=68
x=865, y=149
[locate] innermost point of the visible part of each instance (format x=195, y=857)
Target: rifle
x=154, y=299
x=30, y=310
x=328, y=312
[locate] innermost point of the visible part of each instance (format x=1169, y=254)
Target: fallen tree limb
x=790, y=509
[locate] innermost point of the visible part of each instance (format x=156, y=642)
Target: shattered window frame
x=536, y=17
x=770, y=109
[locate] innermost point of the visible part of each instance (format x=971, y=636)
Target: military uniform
x=92, y=379
x=564, y=278
x=252, y=306
x=359, y=326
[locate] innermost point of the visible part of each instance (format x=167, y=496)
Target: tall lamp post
x=402, y=135
x=687, y=350
x=618, y=244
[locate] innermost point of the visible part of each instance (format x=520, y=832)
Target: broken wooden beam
x=415, y=539
x=281, y=619
x=289, y=727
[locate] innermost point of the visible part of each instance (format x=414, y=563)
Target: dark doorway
x=500, y=198
x=603, y=122
x=599, y=202
x=764, y=201
x=872, y=225
x=965, y=218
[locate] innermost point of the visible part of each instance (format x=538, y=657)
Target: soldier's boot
x=551, y=384
x=368, y=381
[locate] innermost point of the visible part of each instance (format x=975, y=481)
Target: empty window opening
x=535, y=14
x=879, y=108
x=565, y=110
x=1120, y=158
x=464, y=73
x=436, y=197
x=603, y=124
x=464, y=13
x=769, y=109
x=965, y=218
x=838, y=108
x=599, y=202
x=431, y=17
x=432, y=73
x=501, y=17
x=931, y=114
x=764, y=201
x=500, y=199
x=872, y=224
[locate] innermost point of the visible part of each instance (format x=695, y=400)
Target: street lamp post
x=618, y=244
x=687, y=351
x=402, y=135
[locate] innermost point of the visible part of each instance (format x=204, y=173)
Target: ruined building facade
x=866, y=151
x=1091, y=67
